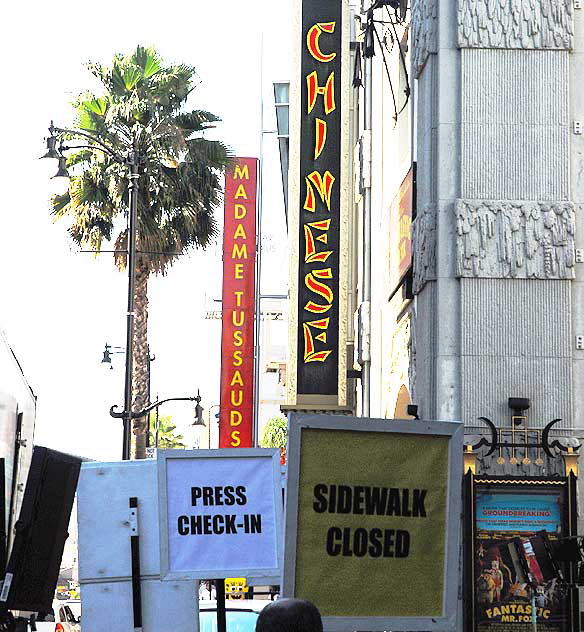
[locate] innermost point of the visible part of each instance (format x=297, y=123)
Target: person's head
x=289, y=615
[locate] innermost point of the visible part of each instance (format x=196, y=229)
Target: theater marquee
x=237, y=344
x=318, y=208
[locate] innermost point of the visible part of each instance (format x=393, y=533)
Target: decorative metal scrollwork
x=496, y=443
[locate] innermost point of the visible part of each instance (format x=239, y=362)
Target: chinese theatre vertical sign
x=318, y=206
x=237, y=339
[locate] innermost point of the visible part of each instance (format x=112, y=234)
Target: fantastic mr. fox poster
x=503, y=601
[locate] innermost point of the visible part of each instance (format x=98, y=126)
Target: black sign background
x=320, y=378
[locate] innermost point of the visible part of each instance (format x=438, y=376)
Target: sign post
x=373, y=521
x=220, y=513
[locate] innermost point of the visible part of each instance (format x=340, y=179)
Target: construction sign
x=373, y=521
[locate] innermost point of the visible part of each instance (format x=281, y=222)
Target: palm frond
x=180, y=186
x=148, y=60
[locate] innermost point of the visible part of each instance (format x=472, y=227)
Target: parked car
x=240, y=614
x=64, y=617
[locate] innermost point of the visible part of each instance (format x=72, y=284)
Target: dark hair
x=289, y=615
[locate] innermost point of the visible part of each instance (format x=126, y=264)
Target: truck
x=17, y=419
x=37, y=488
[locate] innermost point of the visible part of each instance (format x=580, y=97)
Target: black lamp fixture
x=141, y=413
x=519, y=406
x=198, y=412
x=62, y=168
x=107, y=356
x=51, y=148
x=108, y=352
x=53, y=152
x=412, y=410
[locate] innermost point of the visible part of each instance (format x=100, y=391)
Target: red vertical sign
x=237, y=344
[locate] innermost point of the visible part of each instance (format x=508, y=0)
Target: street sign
x=220, y=513
x=373, y=521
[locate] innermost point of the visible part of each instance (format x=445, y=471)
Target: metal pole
x=149, y=402
x=366, y=305
x=220, y=603
x=131, y=263
x=258, y=270
x=157, y=430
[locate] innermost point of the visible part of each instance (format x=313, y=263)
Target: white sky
x=59, y=307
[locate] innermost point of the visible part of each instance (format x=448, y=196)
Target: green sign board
x=373, y=520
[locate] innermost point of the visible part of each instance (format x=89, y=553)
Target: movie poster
x=503, y=599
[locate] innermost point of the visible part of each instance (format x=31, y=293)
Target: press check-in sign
x=220, y=513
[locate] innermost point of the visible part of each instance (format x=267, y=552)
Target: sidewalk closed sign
x=373, y=521
x=220, y=513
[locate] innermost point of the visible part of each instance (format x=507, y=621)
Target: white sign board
x=105, y=561
x=220, y=513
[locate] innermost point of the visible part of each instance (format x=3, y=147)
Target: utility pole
x=365, y=306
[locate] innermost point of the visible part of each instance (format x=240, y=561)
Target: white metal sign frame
x=271, y=573
x=452, y=558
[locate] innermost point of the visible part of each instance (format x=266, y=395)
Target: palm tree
x=275, y=435
x=142, y=109
x=168, y=438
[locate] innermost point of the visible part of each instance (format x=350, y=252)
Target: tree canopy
x=275, y=433
x=142, y=108
x=141, y=112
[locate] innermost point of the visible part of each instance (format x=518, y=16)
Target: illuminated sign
x=237, y=340
x=318, y=324
x=506, y=512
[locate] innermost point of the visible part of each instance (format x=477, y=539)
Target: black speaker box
x=41, y=530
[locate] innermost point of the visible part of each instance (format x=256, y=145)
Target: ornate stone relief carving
x=424, y=247
x=424, y=19
x=515, y=24
x=517, y=239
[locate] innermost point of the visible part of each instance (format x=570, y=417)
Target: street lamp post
x=108, y=352
x=134, y=163
x=136, y=414
x=134, y=160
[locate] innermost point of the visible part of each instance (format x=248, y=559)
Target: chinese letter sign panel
x=319, y=183
x=237, y=339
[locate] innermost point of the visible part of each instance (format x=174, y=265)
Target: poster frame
x=269, y=575
x=475, y=482
x=297, y=422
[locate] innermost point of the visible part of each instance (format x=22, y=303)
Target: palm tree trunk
x=141, y=364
